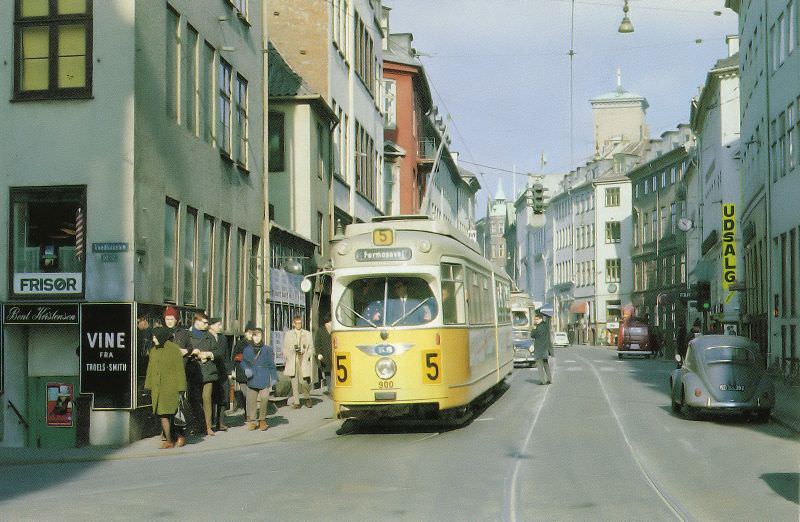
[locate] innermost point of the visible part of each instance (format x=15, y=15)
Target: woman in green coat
x=166, y=380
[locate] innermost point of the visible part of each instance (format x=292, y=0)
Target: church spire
x=501, y=195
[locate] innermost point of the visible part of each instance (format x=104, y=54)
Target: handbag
x=180, y=416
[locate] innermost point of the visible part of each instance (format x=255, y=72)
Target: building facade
x=135, y=179
x=338, y=53
x=715, y=122
x=659, y=189
x=769, y=218
x=301, y=196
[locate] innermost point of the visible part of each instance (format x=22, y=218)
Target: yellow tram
x=421, y=322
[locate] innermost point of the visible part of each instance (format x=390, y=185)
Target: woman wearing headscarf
x=258, y=362
x=166, y=380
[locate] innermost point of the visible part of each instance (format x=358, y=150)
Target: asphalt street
x=600, y=443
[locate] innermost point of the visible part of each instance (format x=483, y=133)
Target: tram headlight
x=425, y=246
x=343, y=248
x=385, y=368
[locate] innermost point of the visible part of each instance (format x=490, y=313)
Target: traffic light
x=703, y=296
x=538, y=198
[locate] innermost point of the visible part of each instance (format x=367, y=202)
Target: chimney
x=733, y=44
x=402, y=41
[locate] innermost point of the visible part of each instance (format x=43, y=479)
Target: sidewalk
x=286, y=422
x=787, y=404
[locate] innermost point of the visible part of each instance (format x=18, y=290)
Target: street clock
x=685, y=224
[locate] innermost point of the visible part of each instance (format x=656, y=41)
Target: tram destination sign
x=383, y=254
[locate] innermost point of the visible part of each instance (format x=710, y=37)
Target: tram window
x=392, y=301
x=474, y=299
x=487, y=314
x=453, y=303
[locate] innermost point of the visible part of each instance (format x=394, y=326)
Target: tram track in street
x=669, y=500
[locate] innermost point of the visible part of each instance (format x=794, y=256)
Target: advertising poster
x=60, y=404
x=107, y=365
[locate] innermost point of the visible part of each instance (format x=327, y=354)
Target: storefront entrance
x=52, y=411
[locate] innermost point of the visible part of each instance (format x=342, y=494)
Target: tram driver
x=409, y=305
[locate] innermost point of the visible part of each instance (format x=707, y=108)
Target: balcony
x=426, y=152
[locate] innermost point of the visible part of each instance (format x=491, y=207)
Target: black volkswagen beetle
x=722, y=373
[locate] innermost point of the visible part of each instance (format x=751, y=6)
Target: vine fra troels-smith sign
x=107, y=354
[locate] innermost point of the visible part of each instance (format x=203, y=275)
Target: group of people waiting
x=192, y=367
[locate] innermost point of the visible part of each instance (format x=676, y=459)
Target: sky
x=501, y=70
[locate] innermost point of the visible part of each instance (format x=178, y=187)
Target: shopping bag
x=180, y=415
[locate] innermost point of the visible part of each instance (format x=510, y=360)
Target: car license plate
x=731, y=387
x=634, y=346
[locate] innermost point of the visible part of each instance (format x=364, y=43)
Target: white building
x=769, y=217
x=583, y=252
x=715, y=122
x=134, y=171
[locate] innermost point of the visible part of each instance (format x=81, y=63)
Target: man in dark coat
x=222, y=358
x=542, y=347
x=197, y=345
x=236, y=358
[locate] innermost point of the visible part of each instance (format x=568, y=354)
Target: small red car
x=635, y=339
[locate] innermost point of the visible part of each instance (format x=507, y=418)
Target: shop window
x=52, y=49
x=170, y=249
x=189, y=255
x=48, y=241
x=206, y=245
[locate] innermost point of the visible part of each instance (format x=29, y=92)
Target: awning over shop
x=578, y=307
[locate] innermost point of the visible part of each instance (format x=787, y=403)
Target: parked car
x=634, y=339
x=722, y=373
x=560, y=339
x=523, y=353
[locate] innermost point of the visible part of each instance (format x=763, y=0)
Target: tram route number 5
x=432, y=366
x=343, y=368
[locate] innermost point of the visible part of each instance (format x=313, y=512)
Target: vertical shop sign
x=107, y=354
x=60, y=404
x=728, y=244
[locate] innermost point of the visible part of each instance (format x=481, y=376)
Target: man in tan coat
x=298, y=350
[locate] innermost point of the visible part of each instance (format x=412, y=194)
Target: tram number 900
x=386, y=385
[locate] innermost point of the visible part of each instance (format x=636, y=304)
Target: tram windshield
x=386, y=301
x=519, y=318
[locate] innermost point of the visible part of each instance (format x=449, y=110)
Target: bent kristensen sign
x=40, y=314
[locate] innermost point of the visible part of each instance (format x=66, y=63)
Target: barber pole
x=79, y=239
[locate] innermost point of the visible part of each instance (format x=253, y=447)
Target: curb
x=140, y=449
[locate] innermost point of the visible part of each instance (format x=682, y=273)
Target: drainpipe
x=768, y=191
x=266, y=225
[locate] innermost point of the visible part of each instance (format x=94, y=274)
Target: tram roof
x=413, y=223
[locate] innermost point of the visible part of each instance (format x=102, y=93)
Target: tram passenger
x=449, y=309
x=371, y=303
x=409, y=308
